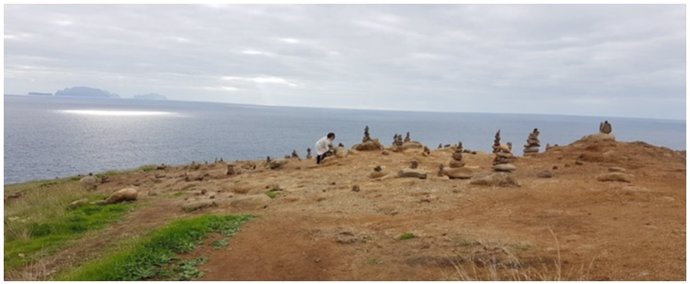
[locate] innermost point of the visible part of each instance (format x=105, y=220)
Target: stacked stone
x=457, y=168
x=532, y=146
x=309, y=154
x=497, y=142
x=605, y=127
x=407, y=137
x=294, y=154
x=368, y=143
x=503, y=159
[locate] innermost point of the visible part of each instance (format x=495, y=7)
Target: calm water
x=56, y=137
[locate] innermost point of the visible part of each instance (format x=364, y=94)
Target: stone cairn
x=504, y=157
x=456, y=158
x=397, y=143
x=368, y=143
x=532, y=146
x=309, y=154
x=605, y=127
x=294, y=154
x=497, y=142
x=407, y=137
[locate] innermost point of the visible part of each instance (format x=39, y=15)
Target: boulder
x=614, y=176
x=501, y=179
x=412, y=173
x=125, y=194
x=458, y=173
x=198, y=205
x=370, y=145
x=504, y=168
x=251, y=202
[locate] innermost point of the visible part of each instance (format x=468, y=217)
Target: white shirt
x=322, y=145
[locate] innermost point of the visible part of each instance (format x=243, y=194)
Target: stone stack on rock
x=397, y=143
x=294, y=154
x=368, y=143
x=407, y=137
x=532, y=146
x=503, y=159
x=412, y=171
x=309, y=154
x=410, y=144
x=456, y=165
x=497, y=142
x=603, y=135
x=377, y=173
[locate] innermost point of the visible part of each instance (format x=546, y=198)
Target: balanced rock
x=368, y=143
x=495, y=179
x=456, y=158
x=412, y=173
x=605, y=127
x=309, y=154
x=251, y=202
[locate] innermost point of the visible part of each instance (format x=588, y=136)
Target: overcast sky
x=604, y=60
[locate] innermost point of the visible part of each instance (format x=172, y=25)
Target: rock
x=159, y=175
x=370, y=145
x=412, y=145
x=347, y=238
x=545, y=174
x=385, y=153
x=598, y=137
x=276, y=164
x=203, y=191
x=198, y=205
x=412, y=173
x=616, y=169
x=341, y=152
x=78, y=203
x=614, y=176
x=355, y=188
x=251, y=202
x=90, y=182
x=125, y=194
x=194, y=176
x=414, y=164
x=241, y=188
x=458, y=173
x=501, y=179
x=504, y=168
x=579, y=163
x=456, y=164
x=377, y=174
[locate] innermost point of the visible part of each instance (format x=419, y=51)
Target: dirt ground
x=570, y=226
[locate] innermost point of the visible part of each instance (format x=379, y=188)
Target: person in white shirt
x=323, y=147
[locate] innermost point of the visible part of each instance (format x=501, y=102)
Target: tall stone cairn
x=605, y=127
x=456, y=158
x=497, y=142
x=366, y=134
x=407, y=137
x=532, y=146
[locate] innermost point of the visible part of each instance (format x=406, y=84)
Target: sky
x=600, y=60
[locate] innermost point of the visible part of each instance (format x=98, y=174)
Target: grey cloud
x=617, y=60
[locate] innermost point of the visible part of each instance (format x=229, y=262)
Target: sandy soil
x=569, y=226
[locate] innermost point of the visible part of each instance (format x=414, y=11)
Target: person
x=323, y=147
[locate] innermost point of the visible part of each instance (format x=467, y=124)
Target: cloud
x=622, y=60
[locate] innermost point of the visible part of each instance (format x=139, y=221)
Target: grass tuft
x=407, y=236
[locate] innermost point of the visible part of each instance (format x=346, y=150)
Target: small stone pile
x=368, y=143
x=532, y=146
x=456, y=158
x=407, y=137
x=412, y=171
x=503, y=159
x=603, y=135
x=294, y=154
x=605, y=127
x=309, y=154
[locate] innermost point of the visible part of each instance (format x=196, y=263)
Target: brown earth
x=568, y=227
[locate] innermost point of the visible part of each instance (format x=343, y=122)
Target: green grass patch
x=45, y=237
x=147, y=168
x=220, y=243
x=272, y=194
x=407, y=236
x=154, y=256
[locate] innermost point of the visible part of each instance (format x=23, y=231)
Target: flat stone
x=251, y=202
x=501, y=179
x=412, y=173
x=545, y=174
x=504, y=168
x=614, y=176
x=617, y=169
x=458, y=173
x=198, y=205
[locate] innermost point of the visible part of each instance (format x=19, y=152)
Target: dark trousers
x=320, y=158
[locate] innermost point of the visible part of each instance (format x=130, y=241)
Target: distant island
x=151, y=96
x=39, y=94
x=85, y=92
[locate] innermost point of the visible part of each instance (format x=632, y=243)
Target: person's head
x=331, y=136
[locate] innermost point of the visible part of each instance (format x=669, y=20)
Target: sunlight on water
x=117, y=112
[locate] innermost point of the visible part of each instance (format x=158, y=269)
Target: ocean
x=48, y=137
